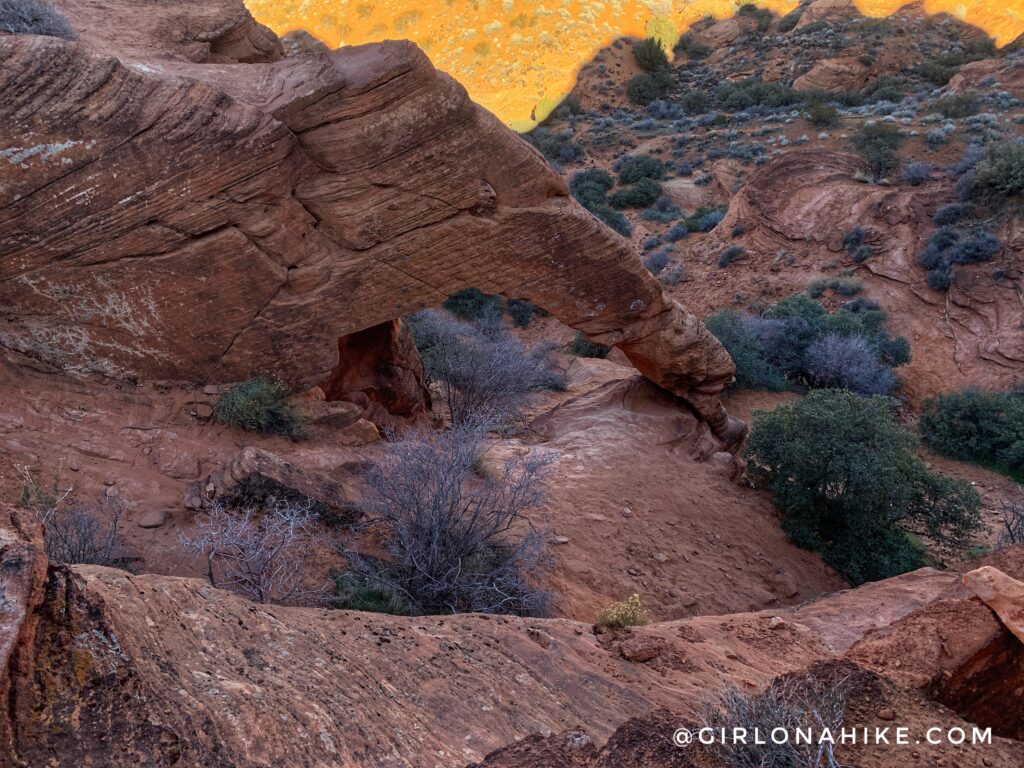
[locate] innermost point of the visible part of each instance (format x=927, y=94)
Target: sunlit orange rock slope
x=520, y=57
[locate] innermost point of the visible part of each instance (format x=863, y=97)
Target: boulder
x=846, y=73
x=1004, y=595
x=255, y=473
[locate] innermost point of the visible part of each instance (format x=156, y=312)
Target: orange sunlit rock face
x=520, y=57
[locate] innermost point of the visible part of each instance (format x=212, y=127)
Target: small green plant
x=626, y=613
x=581, y=346
x=636, y=167
x=260, y=405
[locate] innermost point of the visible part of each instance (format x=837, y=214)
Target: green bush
x=878, y=144
x=846, y=480
x=650, y=56
x=636, y=167
x=753, y=371
x=981, y=427
x=797, y=341
x=1000, y=173
x=639, y=195
x=648, y=86
x=755, y=92
x=260, y=405
x=473, y=304
x=822, y=114
x=690, y=46
x=581, y=346
x=613, y=219
x=762, y=16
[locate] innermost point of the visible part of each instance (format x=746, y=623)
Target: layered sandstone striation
x=202, y=208
x=108, y=668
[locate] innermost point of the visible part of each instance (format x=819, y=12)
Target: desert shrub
x=633, y=168
x=1000, y=171
x=877, y=144
x=916, y=174
x=773, y=350
x=648, y=86
x=672, y=275
x=690, y=46
x=581, y=346
x=260, y=555
x=1012, y=518
x=822, y=114
x=656, y=262
x=704, y=219
x=808, y=704
x=556, y=146
x=650, y=56
x=935, y=72
x=590, y=193
x=693, y=102
x=985, y=428
x=853, y=239
x=951, y=213
x=849, y=362
x=948, y=246
x=613, y=219
x=522, y=312
x=958, y=105
x=33, y=17
x=755, y=92
x=843, y=286
x=626, y=613
x=456, y=541
x=882, y=88
x=728, y=255
x=473, y=304
x=753, y=371
x=790, y=20
x=762, y=16
x=260, y=405
x=846, y=480
x=486, y=372
x=75, y=533
x=638, y=195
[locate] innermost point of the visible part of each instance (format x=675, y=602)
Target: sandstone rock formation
x=968, y=337
x=114, y=669
x=179, y=215
x=846, y=73
x=379, y=369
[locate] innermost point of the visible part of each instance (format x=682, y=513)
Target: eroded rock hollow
x=201, y=207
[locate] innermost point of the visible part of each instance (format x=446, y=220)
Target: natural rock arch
x=167, y=219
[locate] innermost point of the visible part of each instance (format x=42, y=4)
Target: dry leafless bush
x=486, y=372
x=75, y=533
x=790, y=703
x=260, y=554
x=456, y=541
x=1013, y=524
